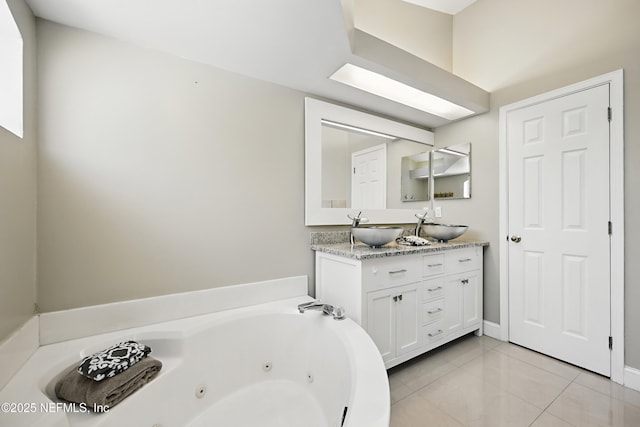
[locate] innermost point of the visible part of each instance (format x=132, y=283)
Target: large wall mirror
x=452, y=172
x=447, y=170
x=353, y=162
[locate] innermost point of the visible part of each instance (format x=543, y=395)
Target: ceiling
x=294, y=43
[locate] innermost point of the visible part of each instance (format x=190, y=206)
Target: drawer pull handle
x=437, y=288
x=438, y=310
x=434, y=265
x=397, y=298
x=434, y=334
x=403, y=270
x=465, y=281
x=465, y=260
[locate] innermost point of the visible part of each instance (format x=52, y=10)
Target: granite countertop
x=335, y=244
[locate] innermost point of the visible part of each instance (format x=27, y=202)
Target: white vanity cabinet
x=408, y=304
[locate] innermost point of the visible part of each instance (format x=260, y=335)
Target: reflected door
x=369, y=183
x=559, y=256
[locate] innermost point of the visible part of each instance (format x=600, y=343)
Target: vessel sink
x=376, y=235
x=443, y=232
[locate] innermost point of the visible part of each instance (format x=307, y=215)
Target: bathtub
x=265, y=365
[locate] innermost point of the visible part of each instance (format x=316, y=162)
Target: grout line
x=551, y=403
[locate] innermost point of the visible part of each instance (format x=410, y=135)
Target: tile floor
x=479, y=381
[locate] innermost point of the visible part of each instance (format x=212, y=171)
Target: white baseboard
x=632, y=378
x=491, y=329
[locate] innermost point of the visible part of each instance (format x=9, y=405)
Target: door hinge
x=610, y=228
x=609, y=113
x=610, y=343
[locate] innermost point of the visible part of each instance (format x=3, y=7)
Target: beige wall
x=518, y=49
x=18, y=194
x=425, y=33
x=159, y=175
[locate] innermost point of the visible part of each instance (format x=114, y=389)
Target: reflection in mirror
x=339, y=140
x=415, y=177
x=361, y=170
x=452, y=172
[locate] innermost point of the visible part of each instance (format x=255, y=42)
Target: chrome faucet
x=421, y=220
x=327, y=309
x=355, y=221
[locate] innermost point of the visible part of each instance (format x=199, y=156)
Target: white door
x=381, y=321
x=369, y=183
x=559, y=254
x=407, y=333
x=472, y=302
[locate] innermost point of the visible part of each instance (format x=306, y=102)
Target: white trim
x=632, y=378
x=616, y=191
x=17, y=349
x=98, y=319
x=492, y=330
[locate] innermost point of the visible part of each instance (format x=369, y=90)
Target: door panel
x=381, y=321
x=471, y=299
x=407, y=320
x=559, y=285
x=369, y=183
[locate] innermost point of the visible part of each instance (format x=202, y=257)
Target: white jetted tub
x=265, y=365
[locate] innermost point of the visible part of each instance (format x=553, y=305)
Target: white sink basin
x=376, y=235
x=443, y=232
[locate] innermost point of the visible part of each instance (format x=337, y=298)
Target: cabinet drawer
x=433, y=332
x=463, y=260
x=432, y=311
x=432, y=265
x=392, y=271
x=433, y=289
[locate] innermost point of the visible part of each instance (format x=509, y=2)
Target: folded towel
x=412, y=241
x=77, y=388
x=113, y=360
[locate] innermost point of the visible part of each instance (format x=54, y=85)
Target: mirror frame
x=315, y=111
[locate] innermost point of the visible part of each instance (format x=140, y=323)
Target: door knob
x=516, y=238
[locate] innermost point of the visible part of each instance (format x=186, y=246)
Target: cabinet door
x=407, y=323
x=453, y=314
x=472, y=300
x=381, y=321
x=392, y=320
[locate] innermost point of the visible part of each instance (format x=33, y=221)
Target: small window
x=10, y=72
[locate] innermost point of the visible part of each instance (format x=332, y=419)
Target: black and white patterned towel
x=113, y=360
